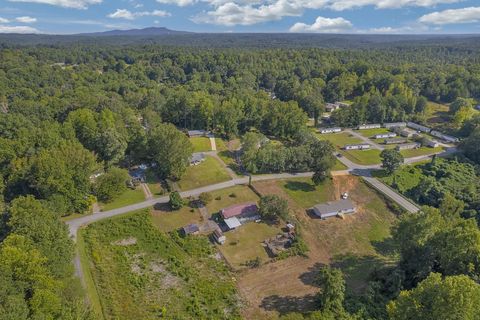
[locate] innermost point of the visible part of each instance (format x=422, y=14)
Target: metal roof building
x=334, y=208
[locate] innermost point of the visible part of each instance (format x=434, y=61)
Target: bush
x=176, y=202
x=205, y=198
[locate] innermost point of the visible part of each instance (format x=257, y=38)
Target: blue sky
x=320, y=16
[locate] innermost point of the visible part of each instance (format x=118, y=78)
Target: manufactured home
x=369, y=126
x=361, y=146
x=330, y=130
x=444, y=137
x=407, y=133
x=406, y=146
x=418, y=127
x=334, y=208
x=394, y=125
x=394, y=141
x=431, y=143
x=385, y=135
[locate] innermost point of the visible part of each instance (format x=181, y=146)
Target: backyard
x=206, y=173
x=201, y=144
x=167, y=220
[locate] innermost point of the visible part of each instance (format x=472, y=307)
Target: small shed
x=191, y=229
x=334, y=208
x=219, y=236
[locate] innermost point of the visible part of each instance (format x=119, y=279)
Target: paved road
x=393, y=195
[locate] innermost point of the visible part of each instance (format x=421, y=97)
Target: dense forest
x=68, y=112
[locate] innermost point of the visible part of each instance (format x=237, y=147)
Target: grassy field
x=201, y=144
x=339, y=139
x=127, y=198
x=230, y=196
x=339, y=166
x=166, y=220
x=208, y=172
x=141, y=273
x=305, y=193
x=371, y=132
x=245, y=243
x=221, y=144
x=365, y=157
x=420, y=151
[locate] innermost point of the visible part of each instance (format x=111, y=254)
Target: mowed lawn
x=365, y=157
x=368, y=133
x=154, y=183
x=305, y=193
x=339, y=166
x=201, y=144
x=166, y=220
x=208, y=172
x=339, y=140
x=127, y=198
x=229, y=197
x=245, y=243
x=420, y=152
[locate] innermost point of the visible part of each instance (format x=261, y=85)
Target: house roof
x=334, y=206
x=239, y=209
x=196, y=132
x=191, y=228
x=232, y=223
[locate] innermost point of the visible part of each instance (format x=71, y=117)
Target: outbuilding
x=197, y=158
x=191, y=229
x=219, y=236
x=334, y=208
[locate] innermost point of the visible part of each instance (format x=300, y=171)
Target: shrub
x=176, y=201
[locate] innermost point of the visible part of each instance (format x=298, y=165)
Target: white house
x=334, y=208
x=369, y=126
x=418, y=127
x=385, y=135
x=395, y=141
x=360, y=146
x=330, y=130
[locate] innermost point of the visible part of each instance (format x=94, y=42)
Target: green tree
x=273, y=207
x=332, y=286
x=451, y=298
x=471, y=146
x=205, y=198
x=111, y=184
x=391, y=160
x=176, y=202
x=170, y=150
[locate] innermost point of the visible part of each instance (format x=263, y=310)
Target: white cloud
x=3, y=20
x=324, y=25
x=26, y=19
x=126, y=14
x=76, y=4
x=340, y=5
x=17, y=29
x=181, y=3
x=230, y=14
x=451, y=16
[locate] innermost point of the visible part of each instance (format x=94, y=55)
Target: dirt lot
x=287, y=285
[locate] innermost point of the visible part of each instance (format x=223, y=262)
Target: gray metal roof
x=334, y=206
x=197, y=157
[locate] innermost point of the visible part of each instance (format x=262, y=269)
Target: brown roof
x=239, y=209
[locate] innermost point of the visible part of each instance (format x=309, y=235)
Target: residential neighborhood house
x=334, y=208
x=330, y=130
x=385, y=135
x=369, y=126
x=394, y=125
x=444, y=137
x=197, y=133
x=394, y=141
x=418, y=127
x=413, y=145
x=234, y=215
x=361, y=146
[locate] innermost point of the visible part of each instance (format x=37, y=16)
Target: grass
x=420, y=151
x=244, y=243
x=143, y=273
x=207, y=173
x=371, y=132
x=230, y=196
x=154, y=183
x=201, y=144
x=339, y=139
x=166, y=220
x=305, y=193
x=221, y=146
x=127, y=198
x=339, y=166
x=365, y=157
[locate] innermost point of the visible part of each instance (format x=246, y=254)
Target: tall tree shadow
x=288, y=304
x=299, y=186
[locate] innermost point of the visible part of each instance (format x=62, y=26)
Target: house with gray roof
x=334, y=208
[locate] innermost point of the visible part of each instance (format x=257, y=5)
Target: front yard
x=208, y=172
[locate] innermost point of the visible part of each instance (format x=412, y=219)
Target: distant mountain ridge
x=151, y=31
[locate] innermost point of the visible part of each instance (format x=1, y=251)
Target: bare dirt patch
x=126, y=242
